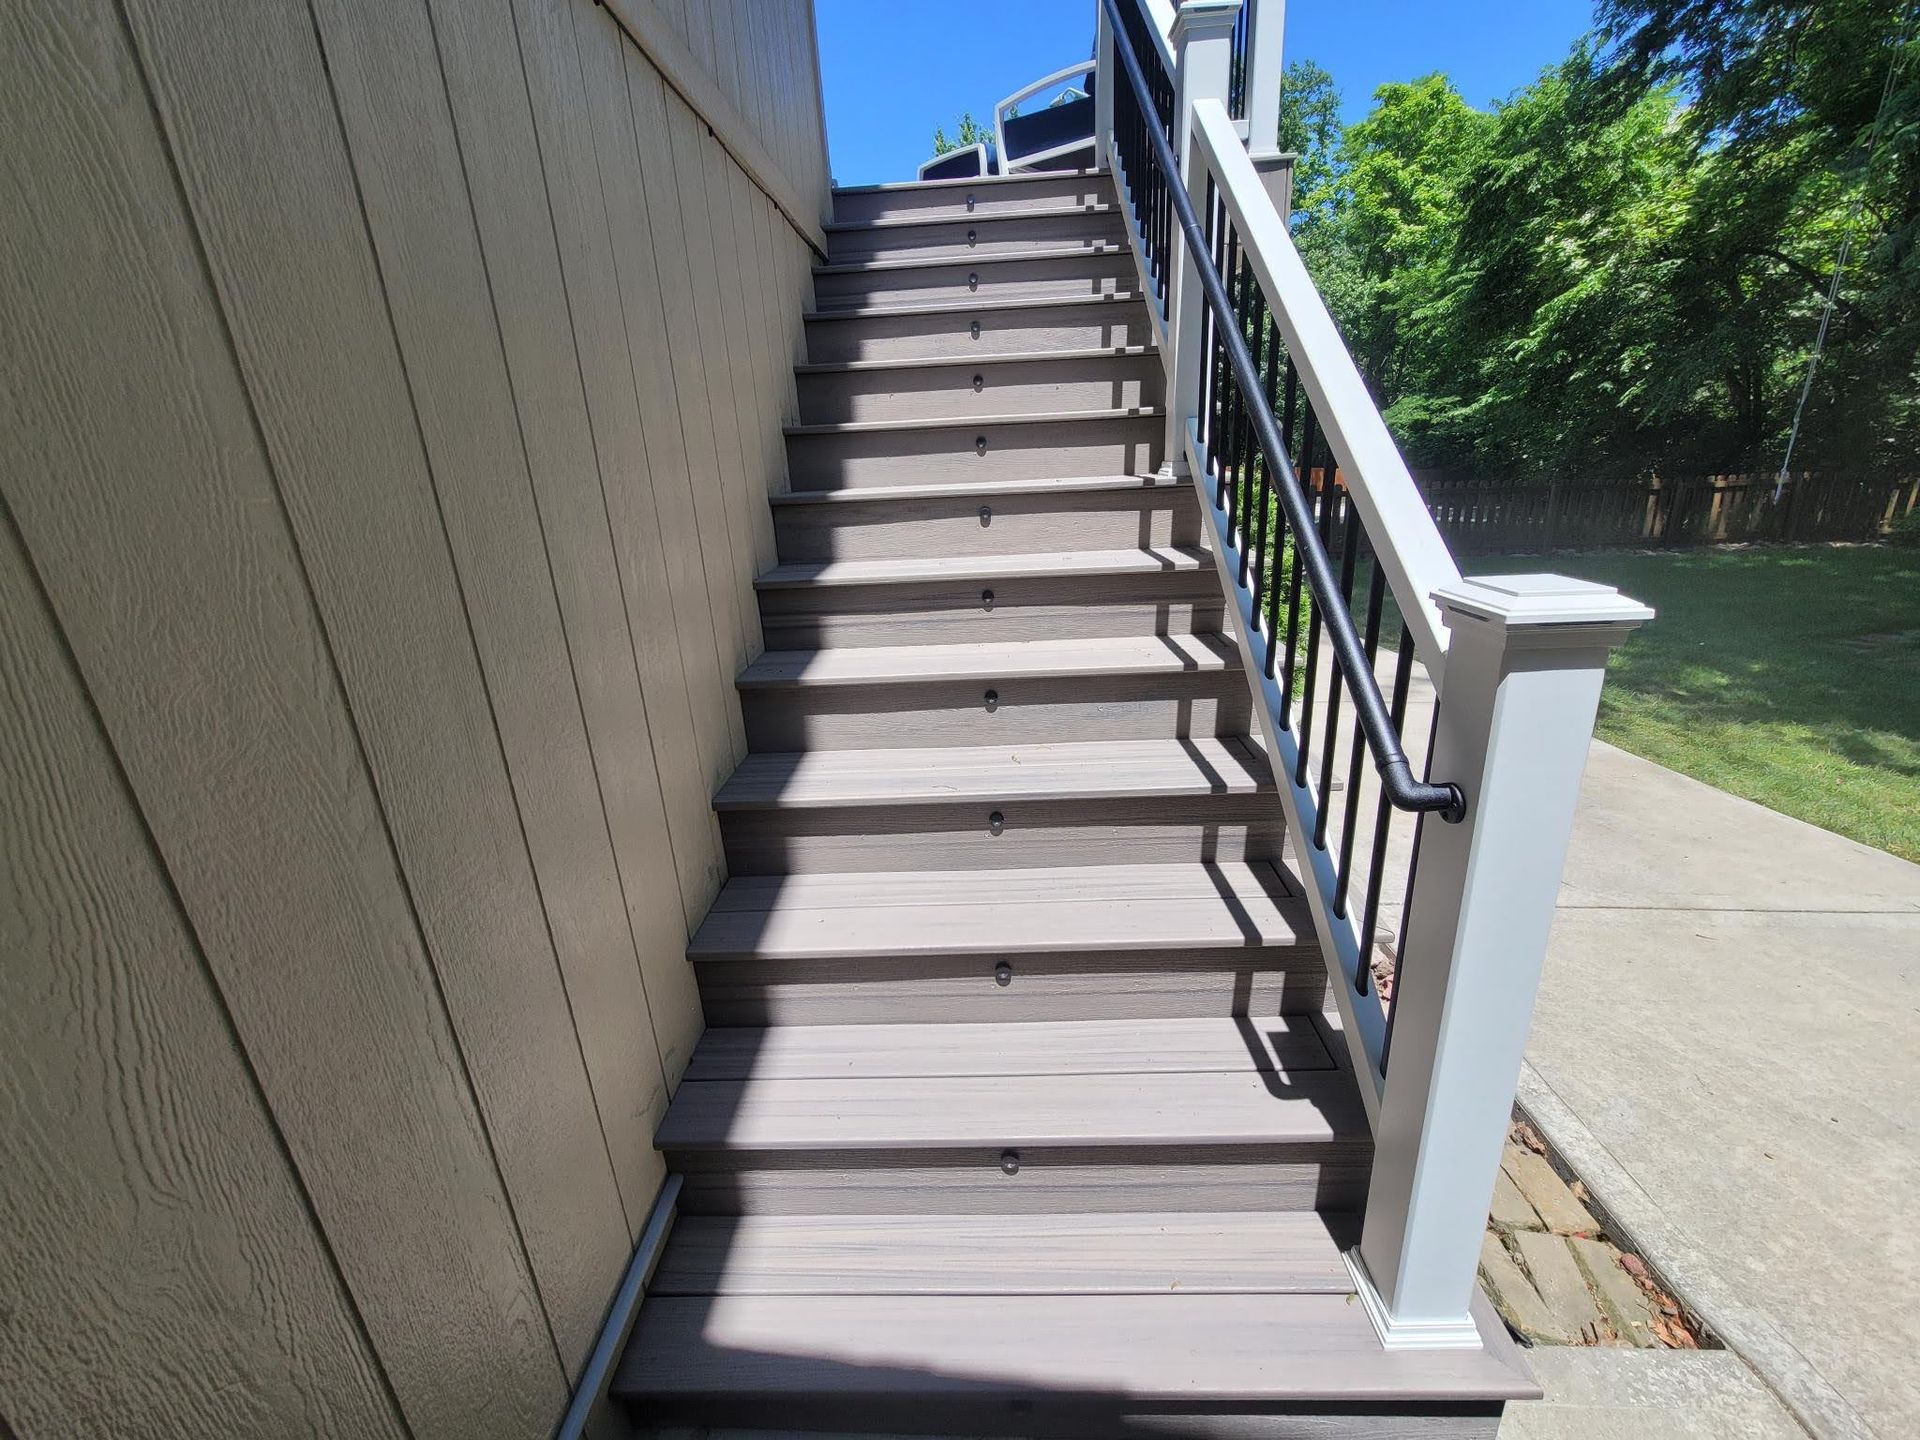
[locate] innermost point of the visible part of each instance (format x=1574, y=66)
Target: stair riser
x=1328, y=1176
x=1028, y=712
x=1113, y=620
x=1146, y=985
x=982, y=388
x=979, y=451
x=1014, y=524
x=723, y=1416
x=1106, y=325
x=977, y=235
x=961, y=837
x=1056, y=278
x=999, y=608
x=959, y=202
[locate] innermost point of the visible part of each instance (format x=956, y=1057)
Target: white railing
x=1004, y=111
x=1515, y=665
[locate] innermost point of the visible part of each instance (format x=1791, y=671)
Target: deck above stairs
x=1020, y=1112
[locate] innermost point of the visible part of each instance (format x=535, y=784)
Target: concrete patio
x=1726, y=1049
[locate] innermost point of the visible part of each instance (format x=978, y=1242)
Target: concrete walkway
x=1727, y=1049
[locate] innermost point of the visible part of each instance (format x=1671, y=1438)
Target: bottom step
x=1100, y=1355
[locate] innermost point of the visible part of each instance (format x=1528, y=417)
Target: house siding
x=394, y=393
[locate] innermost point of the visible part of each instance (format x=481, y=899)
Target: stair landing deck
x=1020, y=1111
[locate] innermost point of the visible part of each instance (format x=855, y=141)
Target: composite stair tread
x=894, y=261
x=1010, y=357
x=1289, y=1252
x=962, y=182
x=1074, y=1104
x=1214, y=905
x=953, y=422
x=1128, y=655
x=976, y=306
x=1080, y=1349
x=1056, y=564
x=983, y=489
x=1113, y=769
x=1268, y=1044
x=909, y=222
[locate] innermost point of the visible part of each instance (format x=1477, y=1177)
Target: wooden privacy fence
x=1482, y=515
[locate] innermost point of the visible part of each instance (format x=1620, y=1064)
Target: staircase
x=1020, y=1111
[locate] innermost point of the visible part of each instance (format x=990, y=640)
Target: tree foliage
x=970, y=131
x=1621, y=268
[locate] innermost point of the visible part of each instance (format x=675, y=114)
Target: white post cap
x=1528, y=602
x=1201, y=19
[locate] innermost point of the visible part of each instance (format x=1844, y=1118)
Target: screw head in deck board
x=1010, y=1162
x=1003, y=974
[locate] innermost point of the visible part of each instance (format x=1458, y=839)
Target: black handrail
x=1397, y=779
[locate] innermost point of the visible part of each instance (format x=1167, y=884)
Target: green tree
x=1560, y=300
x=971, y=132
x=1400, y=174
x=1310, y=128
x=1805, y=128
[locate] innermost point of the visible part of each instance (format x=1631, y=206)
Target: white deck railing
x=1515, y=665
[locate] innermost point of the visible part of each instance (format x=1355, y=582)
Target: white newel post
x=1266, y=35
x=1266, y=70
x=1202, y=43
x=1105, y=77
x=1525, y=662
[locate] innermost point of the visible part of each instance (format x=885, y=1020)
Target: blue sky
x=894, y=69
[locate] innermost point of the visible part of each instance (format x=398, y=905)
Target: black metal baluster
x=1243, y=429
x=1337, y=679
x=1244, y=447
x=1383, y=817
x=1222, y=384
x=1321, y=494
x=1294, y=575
x=1280, y=521
x=1230, y=427
x=1376, y=601
x=1209, y=386
x=1267, y=575
x=1406, y=905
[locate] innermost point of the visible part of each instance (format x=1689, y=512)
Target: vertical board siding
x=628, y=715
x=725, y=404
x=488, y=94
x=686, y=345
x=396, y=396
x=159, y=1259
x=578, y=1218
x=681, y=569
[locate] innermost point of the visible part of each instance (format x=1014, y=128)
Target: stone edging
x=1687, y=1269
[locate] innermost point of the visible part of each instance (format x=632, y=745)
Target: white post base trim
x=1461, y=1334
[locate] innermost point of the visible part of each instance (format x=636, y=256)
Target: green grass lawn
x=1789, y=676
